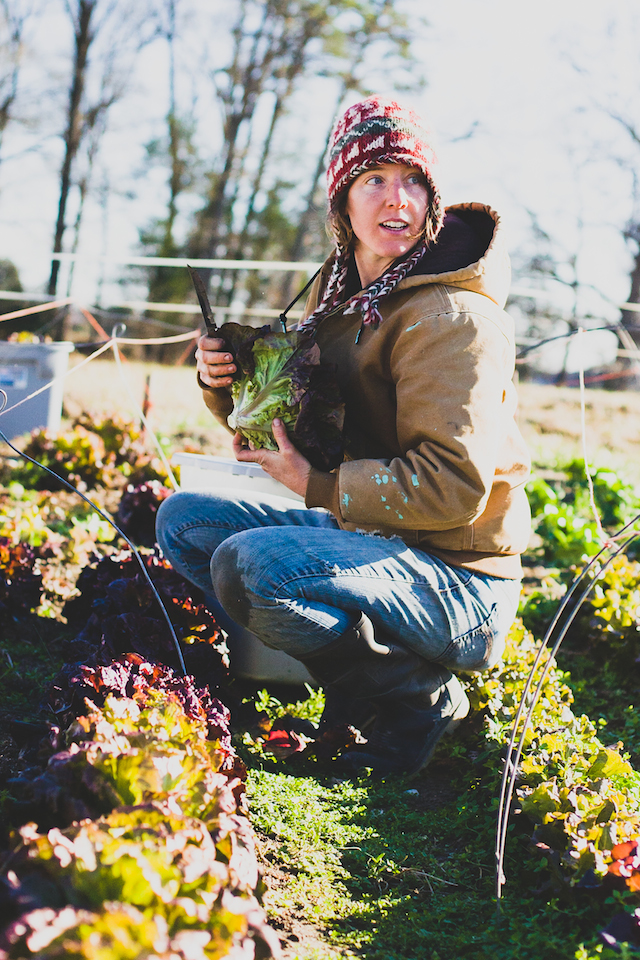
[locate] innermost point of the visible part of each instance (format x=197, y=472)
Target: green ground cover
x=405, y=868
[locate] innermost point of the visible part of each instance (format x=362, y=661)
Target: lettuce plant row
x=582, y=797
x=152, y=855
x=142, y=848
x=94, y=453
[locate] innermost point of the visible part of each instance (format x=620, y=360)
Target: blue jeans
x=296, y=580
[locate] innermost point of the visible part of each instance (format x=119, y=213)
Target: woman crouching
x=410, y=572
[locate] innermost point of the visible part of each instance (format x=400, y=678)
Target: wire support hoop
x=514, y=753
x=105, y=516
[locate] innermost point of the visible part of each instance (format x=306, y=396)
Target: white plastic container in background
x=24, y=368
x=250, y=658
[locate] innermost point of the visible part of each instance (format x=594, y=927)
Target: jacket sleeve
x=450, y=373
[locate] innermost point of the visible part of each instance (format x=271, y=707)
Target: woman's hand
x=286, y=464
x=215, y=366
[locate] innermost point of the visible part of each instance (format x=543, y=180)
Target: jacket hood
x=470, y=253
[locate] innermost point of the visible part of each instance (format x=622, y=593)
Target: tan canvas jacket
x=433, y=453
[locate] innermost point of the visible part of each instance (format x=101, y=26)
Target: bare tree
x=82, y=17
x=176, y=152
x=123, y=30
x=613, y=95
x=631, y=231
x=14, y=15
x=269, y=41
x=379, y=25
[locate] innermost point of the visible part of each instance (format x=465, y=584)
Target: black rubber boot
x=343, y=711
x=415, y=701
x=335, y=667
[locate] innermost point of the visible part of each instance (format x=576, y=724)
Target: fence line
x=179, y=338
x=101, y=349
x=628, y=350
x=21, y=295
x=143, y=305
x=285, y=266
x=50, y=305
x=47, y=386
x=194, y=308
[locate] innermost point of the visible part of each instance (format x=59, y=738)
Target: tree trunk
x=83, y=40
x=248, y=79
x=9, y=82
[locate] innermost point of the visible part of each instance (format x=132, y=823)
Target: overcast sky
x=517, y=96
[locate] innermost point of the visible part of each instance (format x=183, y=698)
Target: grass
x=396, y=869
x=550, y=421
x=30, y=656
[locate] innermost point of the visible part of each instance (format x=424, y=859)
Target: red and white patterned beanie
x=369, y=133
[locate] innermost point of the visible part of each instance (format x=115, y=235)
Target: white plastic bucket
x=250, y=658
x=24, y=368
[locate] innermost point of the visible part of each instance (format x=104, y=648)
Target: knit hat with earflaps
x=378, y=131
x=370, y=133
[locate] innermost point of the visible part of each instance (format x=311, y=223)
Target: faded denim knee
x=478, y=650
x=228, y=581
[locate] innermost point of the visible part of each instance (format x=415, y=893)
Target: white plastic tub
x=250, y=658
x=25, y=368
x=201, y=472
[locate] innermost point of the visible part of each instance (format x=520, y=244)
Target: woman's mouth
x=396, y=225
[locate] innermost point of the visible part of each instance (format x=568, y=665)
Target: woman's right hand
x=215, y=365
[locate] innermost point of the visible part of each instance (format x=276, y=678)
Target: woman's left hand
x=285, y=464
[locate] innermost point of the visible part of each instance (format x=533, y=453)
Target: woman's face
x=387, y=206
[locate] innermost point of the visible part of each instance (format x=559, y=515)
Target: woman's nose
x=397, y=196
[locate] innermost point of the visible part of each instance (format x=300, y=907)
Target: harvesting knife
x=203, y=300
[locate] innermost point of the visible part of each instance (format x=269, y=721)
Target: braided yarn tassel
x=333, y=292
x=367, y=302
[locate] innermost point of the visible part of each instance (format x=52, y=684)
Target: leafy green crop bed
x=376, y=869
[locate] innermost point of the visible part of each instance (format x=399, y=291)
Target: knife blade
x=203, y=300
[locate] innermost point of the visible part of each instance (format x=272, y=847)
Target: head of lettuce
x=280, y=375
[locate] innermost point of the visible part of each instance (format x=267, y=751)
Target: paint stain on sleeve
x=346, y=500
x=413, y=326
x=414, y=480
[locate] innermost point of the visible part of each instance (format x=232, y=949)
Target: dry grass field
x=550, y=420
x=549, y=416
x=176, y=407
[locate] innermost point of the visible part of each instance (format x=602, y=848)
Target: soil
x=297, y=936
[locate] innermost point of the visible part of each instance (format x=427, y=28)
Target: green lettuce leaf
x=280, y=375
